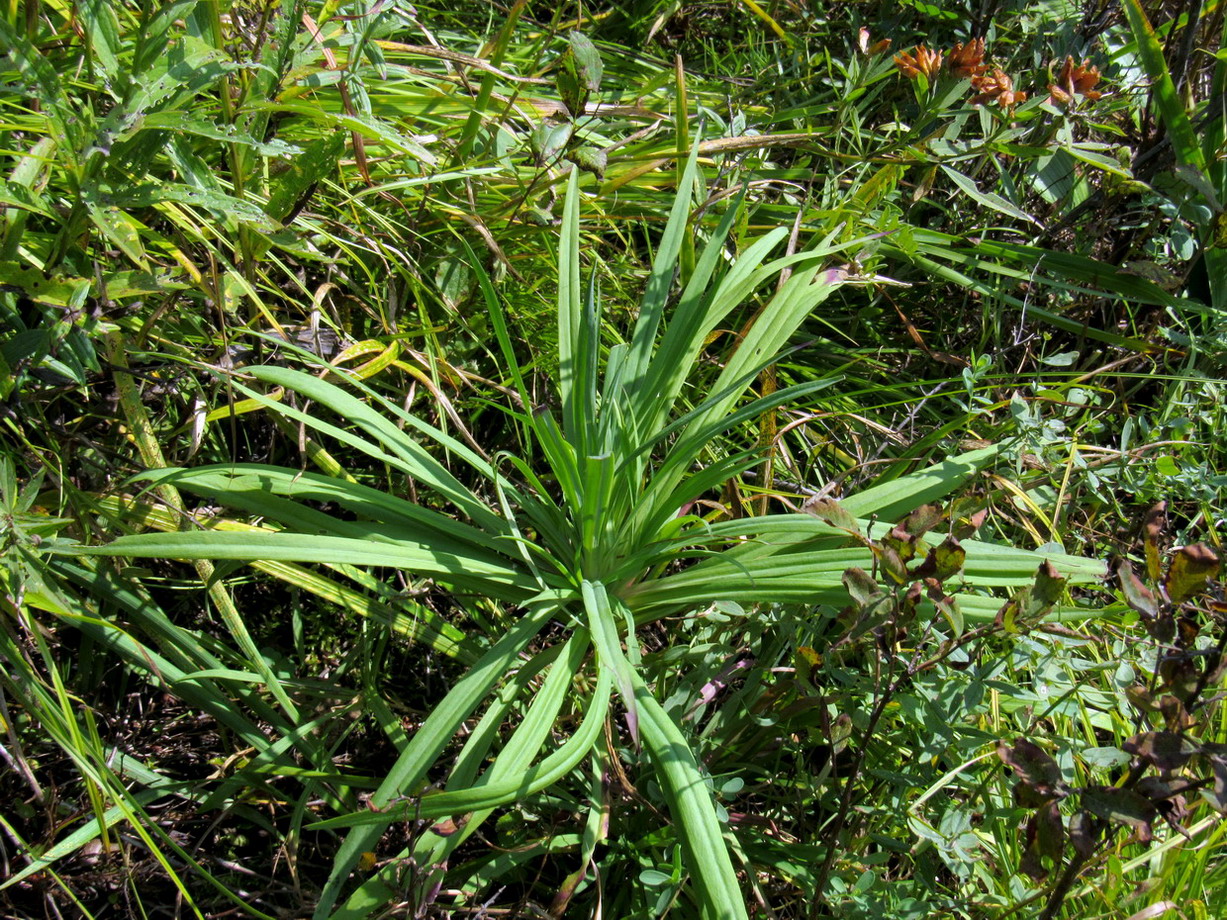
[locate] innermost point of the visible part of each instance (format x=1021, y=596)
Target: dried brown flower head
x=920, y=60
x=862, y=42
x=967, y=61
x=1074, y=80
x=996, y=87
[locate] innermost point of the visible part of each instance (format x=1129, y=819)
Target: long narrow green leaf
x=795, y=573
x=687, y=325
x=692, y=807
x=604, y=628
x=571, y=361
x=892, y=500
x=444, y=721
x=516, y=758
x=652, y=306
x=402, y=615
x=502, y=581
x=1184, y=140
x=503, y=792
x=803, y=291
x=1163, y=89
x=421, y=464
x=264, y=491
x=431, y=850
x=987, y=199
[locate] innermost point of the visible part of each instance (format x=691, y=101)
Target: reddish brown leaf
x=1164, y=796
x=1044, y=838
x=943, y=561
x=1137, y=595
x=1152, y=532
x=968, y=526
x=1174, y=714
x=1141, y=699
x=1189, y=571
x=1031, y=764
x=861, y=586
x=1030, y=864
x=833, y=513
x=1123, y=806
x=1179, y=675
x=1082, y=834
x=449, y=826
x=922, y=520
x=1050, y=831
x=1218, y=796
x=902, y=543
x=1187, y=631
x=1028, y=796
x=1165, y=750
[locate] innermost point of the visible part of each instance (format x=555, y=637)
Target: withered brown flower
x=967, y=61
x=866, y=47
x=1074, y=80
x=919, y=61
x=996, y=87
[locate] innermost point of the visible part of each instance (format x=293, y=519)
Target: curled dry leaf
x=1153, y=528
